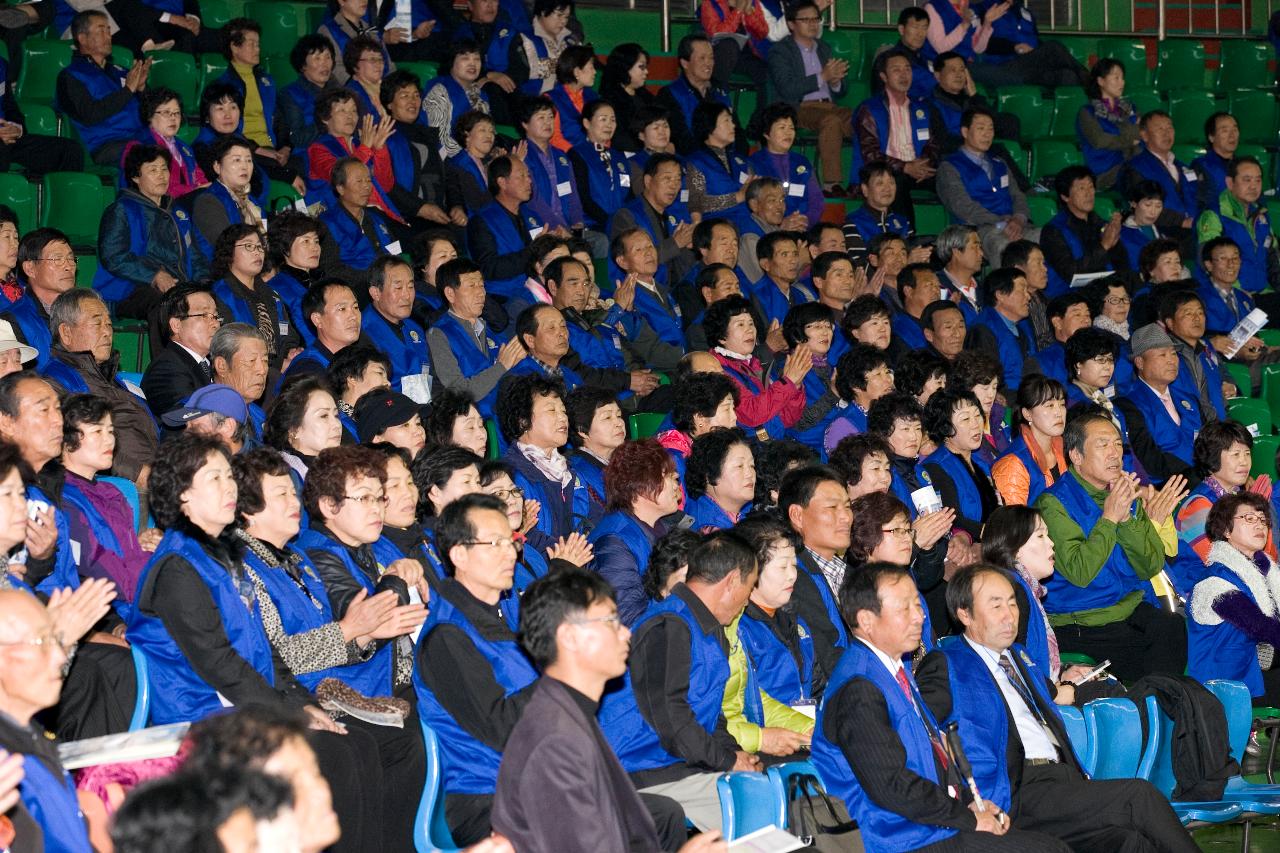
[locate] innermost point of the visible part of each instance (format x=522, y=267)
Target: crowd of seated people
x=556, y=428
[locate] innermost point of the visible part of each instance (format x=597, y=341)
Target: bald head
x=22, y=616
x=704, y=362
x=31, y=659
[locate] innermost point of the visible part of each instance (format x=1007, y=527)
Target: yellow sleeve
x=780, y=716
x=746, y=733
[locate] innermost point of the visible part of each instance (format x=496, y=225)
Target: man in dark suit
x=560, y=786
x=879, y=748
x=1015, y=739
x=189, y=315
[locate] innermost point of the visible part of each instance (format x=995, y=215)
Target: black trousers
x=349, y=763
x=1013, y=841
x=1149, y=641
x=902, y=203
x=468, y=818
x=97, y=695
x=402, y=766
x=1105, y=816
x=1049, y=65
x=39, y=154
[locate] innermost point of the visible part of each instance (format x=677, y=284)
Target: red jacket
x=756, y=408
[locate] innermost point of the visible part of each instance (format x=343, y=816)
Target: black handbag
x=815, y=818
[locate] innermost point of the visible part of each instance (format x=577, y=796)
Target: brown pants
x=833, y=124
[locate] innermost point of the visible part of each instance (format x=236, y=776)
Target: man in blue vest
x=893, y=127
x=694, y=85
x=1222, y=138
x=763, y=211
x=238, y=354
x=918, y=288
x=1106, y=532
x=1077, y=240
x=913, y=31
x=1237, y=214
x=500, y=236
x=1004, y=326
x=545, y=335
x=387, y=325
x=362, y=233
x=1015, y=739
x=1200, y=374
x=978, y=189
x=637, y=258
x=665, y=721
x=33, y=656
x=777, y=290
x=331, y=309
x=880, y=749
x=1067, y=314
x=659, y=211
x=48, y=266
x=1226, y=303
x=1179, y=183
x=1163, y=417
x=876, y=216
x=100, y=97
x=471, y=675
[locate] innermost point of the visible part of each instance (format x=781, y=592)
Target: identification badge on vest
x=684, y=196
x=393, y=248
x=923, y=134
x=1004, y=182
x=625, y=179
x=534, y=231
x=743, y=177
x=564, y=188
x=1026, y=13
x=796, y=190
x=1190, y=174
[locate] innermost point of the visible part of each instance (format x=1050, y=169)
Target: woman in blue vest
x=776, y=159
x=597, y=428
x=720, y=476
x=454, y=420
x=811, y=324
x=978, y=373
x=294, y=246
x=337, y=113
x=220, y=107
x=230, y=199
x=1146, y=202
x=161, y=111
x=365, y=64
x=312, y=59
x=454, y=92
x=716, y=173
x=442, y=475
x=962, y=479
x=575, y=74
x=1035, y=459
x=466, y=172
x=1107, y=126
x=603, y=179
x=243, y=297
x=531, y=59
x=1235, y=609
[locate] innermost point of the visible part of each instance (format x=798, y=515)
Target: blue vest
x=1018, y=25
x=569, y=116
x=1037, y=643
x=457, y=98
x=1177, y=439
x=266, y=92
x=364, y=104
x=1180, y=197
x=1116, y=579
x=471, y=360
x=721, y=181
x=970, y=503
x=908, y=331
x=291, y=291
x=1209, y=364
x=1035, y=477
x=709, y=516
x=1219, y=314
x=664, y=319
x=471, y=767
x=1010, y=349
x=529, y=364
x=240, y=310
x=777, y=673
x=150, y=137
x=1061, y=223
x=608, y=188
x=33, y=326
x=1254, y=243
x=675, y=215
x=1223, y=650
x=868, y=223
x=533, y=86
x=102, y=83
x=340, y=37
x=978, y=705
x=807, y=566
x=795, y=181
x=626, y=527
x=1212, y=169
x=590, y=473
x=353, y=246
x=561, y=186
x=881, y=828
x=815, y=387
x=604, y=351
x=406, y=347
x=65, y=572
x=1134, y=239
x=298, y=92
x=321, y=191
x=113, y=288
x=634, y=741
x=178, y=694
x=1100, y=160
x=774, y=426
x=774, y=306
x=306, y=611
x=688, y=98
x=51, y=800
x=992, y=193
x=878, y=106
x=563, y=507
x=219, y=191
x=509, y=241
x=950, y=20
x=1053, y=362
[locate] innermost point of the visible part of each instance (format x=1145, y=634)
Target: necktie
x=1015, y=678
x=207, y=371
x=943, y=759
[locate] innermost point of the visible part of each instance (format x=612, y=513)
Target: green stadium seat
x=1264, y=457
x=212, y=66
x=178, y=72
x=1083, y=48
x=855, y=92
x=279, y=69
x=281, y=195
x=1043, y=208
x=86, y=269
x=43, y=60
x=315, y=15
x=40, y=119
x=1029, y=105
x=1016, y=152
x=280, y=26
x=1104, y=206
x=1146, y=98
x=1256, y=113
x=122, y=56
x=1238, y=374
x=1067, y=102
x=610, y=27
x=424, y=71
x=1271, y=386
x=1181, y=65
x=215, y=13
x=1187, y=151
x=1130, y=51
x=1242, y=64
x=644, y=424
x=188, y=133
x=133, y=343
x=872, y=41
x=1253, y=414
x=846, y=45
x=1189, y=109
x=1051, y=156
x=73, y=203
x=19, y=195
x=930, y=219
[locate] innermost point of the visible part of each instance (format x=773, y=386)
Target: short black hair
x=669, y=555
x=933, y=309
x=773, y=460
x=1066, y=179
x=800, y=316
x=940, y=408
x=885, y=413
x=174, y=470
x=853, y=450
x=175, y=304
x=307, y=45
x=1036, y=390
x=140, y=155
x=798, y=486
x=446, y=407
x=861, y=588
x=455, y=526
x=516, y=397
x=553, y=600
x=1000, y=282
x=394, y=82
x=1214, y=439
x=972, y=368
x=916, y=368
x=78, y=410
x=719, y=555
x=700, y=394
x=705, y=117
x=1088, y=343
x=433, y=467
x=582, y=405
x=706, y=459
x=316, y=298
x=1018, y=253
x=961, y=586
x=853, y=367
x=350, y=363
x=715, y=322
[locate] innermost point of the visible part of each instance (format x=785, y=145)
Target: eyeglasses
x=169, y=113
x=46, y=642
x=613, y=621
x=509, y=494
x=368, y=500
x=900, y=532
x=206, y=315
x=491, y=543
x=60, y=259
x=1118, y=300
x=253, y=248
x=1251, y=518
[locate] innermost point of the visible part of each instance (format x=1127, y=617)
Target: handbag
x=816, y=819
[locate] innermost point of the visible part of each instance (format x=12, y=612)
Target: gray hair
x=67, y=308
x=950, y=240
x=338, y=177
x=759, y=185
x=226, y=341
x=1073, y=437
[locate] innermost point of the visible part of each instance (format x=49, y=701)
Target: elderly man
x=216, y=410
x=48, y=265
x=765, y=211
x=500, y=235
x=386, y=323
x=100, y=97
x=189, y=315
x=1236, y=213
x=637, y=258
x=1109, y=540
x=545, y=335
x=959, y=250
x=1162, y=415
x=1177, y=180
x=360, y=231
x=238, y=354
x=659, y=211
x=1003, y=328
x=84, y=362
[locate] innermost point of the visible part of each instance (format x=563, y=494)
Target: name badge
x=535, y=231
x=923, y=134
x=1026, y=13
x=300, y=205
x=743, y=177
x=393, y=248
x=284, y=327
x=625, y=179
x=564, y=188
x=796, y=190
x=1190, y=174
x=684, y=196
x=1004, y=181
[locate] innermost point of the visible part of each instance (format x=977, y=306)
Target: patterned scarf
x=1038, y=592
x=550, y=463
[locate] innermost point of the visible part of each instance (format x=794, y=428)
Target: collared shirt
x=899, y=145
x=201, y=360
x=477, y=330
x=891, y=663
x=1167, y=399
x=832, y=569
x=982, y=160
x=1010, y=325
x=1167, y=160
x=1035, y=740
x=813, y=66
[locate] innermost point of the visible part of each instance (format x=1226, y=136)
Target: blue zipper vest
x=52, y=802
x=471, y=360
x=102, y=83
x=775, y=665
x=509, y=241
x=608, y=187
x=1223, y=650
x=992, y=193
x=1100, y=160
x=407, y=349
x=353, y=245
x=1178, y=439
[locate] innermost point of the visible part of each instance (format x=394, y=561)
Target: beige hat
x=8, y=341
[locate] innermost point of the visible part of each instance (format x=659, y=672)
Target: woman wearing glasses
x=244, y=297
x=882, y=533
x=1233, y=614
x=531, y=564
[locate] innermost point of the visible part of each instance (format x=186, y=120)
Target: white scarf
x=1265, y=588
x=550, y=463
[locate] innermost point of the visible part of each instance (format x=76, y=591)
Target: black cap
x=380, y=410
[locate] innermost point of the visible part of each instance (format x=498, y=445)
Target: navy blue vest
x=510, y=241
x=471, y=360
x=266, y=92
x=353, y=246
x=878, y=105
x=992, y=193
x=1177, y=439
x=608, y=187
x=406, y=346
x=102, y=82
x=1101, y=160
x=777, y=672
x=1180, y=197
